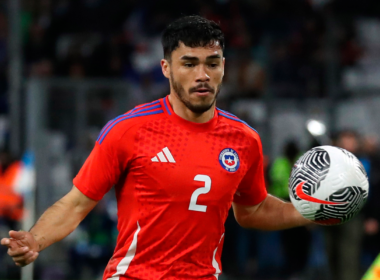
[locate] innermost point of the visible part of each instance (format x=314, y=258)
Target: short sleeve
x=252, y=190
x=102, y=169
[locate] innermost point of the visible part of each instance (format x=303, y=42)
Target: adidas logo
x=164, y=156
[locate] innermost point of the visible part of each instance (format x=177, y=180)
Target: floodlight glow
x=316, y=128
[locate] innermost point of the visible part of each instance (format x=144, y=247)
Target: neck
x=182, y=111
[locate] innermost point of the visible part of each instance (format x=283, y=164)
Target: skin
x=189, y=70
x=56, y=223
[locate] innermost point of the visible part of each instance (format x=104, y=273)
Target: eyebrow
x=194, y=58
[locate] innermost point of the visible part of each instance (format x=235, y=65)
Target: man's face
x=196, y=75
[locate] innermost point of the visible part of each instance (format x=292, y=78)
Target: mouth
x=203, y=91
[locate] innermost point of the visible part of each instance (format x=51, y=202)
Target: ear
x=165, y=66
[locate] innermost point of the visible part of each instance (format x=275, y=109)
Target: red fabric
x=173, y=242
x=11, y=203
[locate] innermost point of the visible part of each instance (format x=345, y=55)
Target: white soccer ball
x=328, y=185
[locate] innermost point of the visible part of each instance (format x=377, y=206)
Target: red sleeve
x=252, y=190
x=103, y=168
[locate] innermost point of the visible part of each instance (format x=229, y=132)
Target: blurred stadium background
x=299, y=71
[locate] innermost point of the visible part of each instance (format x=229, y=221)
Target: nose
x=202, y=75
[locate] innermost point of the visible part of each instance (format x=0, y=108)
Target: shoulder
x=116, y=128
x=239, y=124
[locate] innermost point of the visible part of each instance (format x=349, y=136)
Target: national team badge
x=229, y=160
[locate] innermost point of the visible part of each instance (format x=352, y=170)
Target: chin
x=200, y=107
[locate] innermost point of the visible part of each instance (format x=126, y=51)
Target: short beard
x=181, y=93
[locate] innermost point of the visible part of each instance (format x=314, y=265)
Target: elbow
x=247, y=216
x=244, y=225
x=243, y=222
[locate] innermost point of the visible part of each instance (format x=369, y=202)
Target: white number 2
x=193, y=200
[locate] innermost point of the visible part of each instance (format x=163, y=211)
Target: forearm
x=271, y=214
x=60, y=219
x=55, y=224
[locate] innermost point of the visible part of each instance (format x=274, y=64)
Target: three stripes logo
x=164, y=156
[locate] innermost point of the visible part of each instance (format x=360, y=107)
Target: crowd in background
x=273, y=47
x=121, y=39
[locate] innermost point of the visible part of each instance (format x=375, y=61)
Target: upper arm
x=243, y=213
x=80, y=202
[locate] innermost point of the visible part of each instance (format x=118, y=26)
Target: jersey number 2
x=193, y=200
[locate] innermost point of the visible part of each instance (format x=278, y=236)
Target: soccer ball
x=328, y=185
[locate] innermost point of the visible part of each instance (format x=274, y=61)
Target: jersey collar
x=197, y=127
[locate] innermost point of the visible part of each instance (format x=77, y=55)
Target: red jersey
x=175, y=181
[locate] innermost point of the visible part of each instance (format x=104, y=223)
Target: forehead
x=200, y=52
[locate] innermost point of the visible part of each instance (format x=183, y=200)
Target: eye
x=189, y=65
x=213, y=64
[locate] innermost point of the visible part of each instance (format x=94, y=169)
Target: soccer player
x=177, y=164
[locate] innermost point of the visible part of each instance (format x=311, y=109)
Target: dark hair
x=193, y=31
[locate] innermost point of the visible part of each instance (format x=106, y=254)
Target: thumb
x=17, y=234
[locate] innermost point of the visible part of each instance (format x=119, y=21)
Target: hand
x=22, y=247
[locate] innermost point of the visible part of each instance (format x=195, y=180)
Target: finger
x=17, y=234
x=32, y=258
x=5, y=241
x=20, y=264
x=23, y=258
x=11, y=244
x=24, y=262
x=18, y=251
